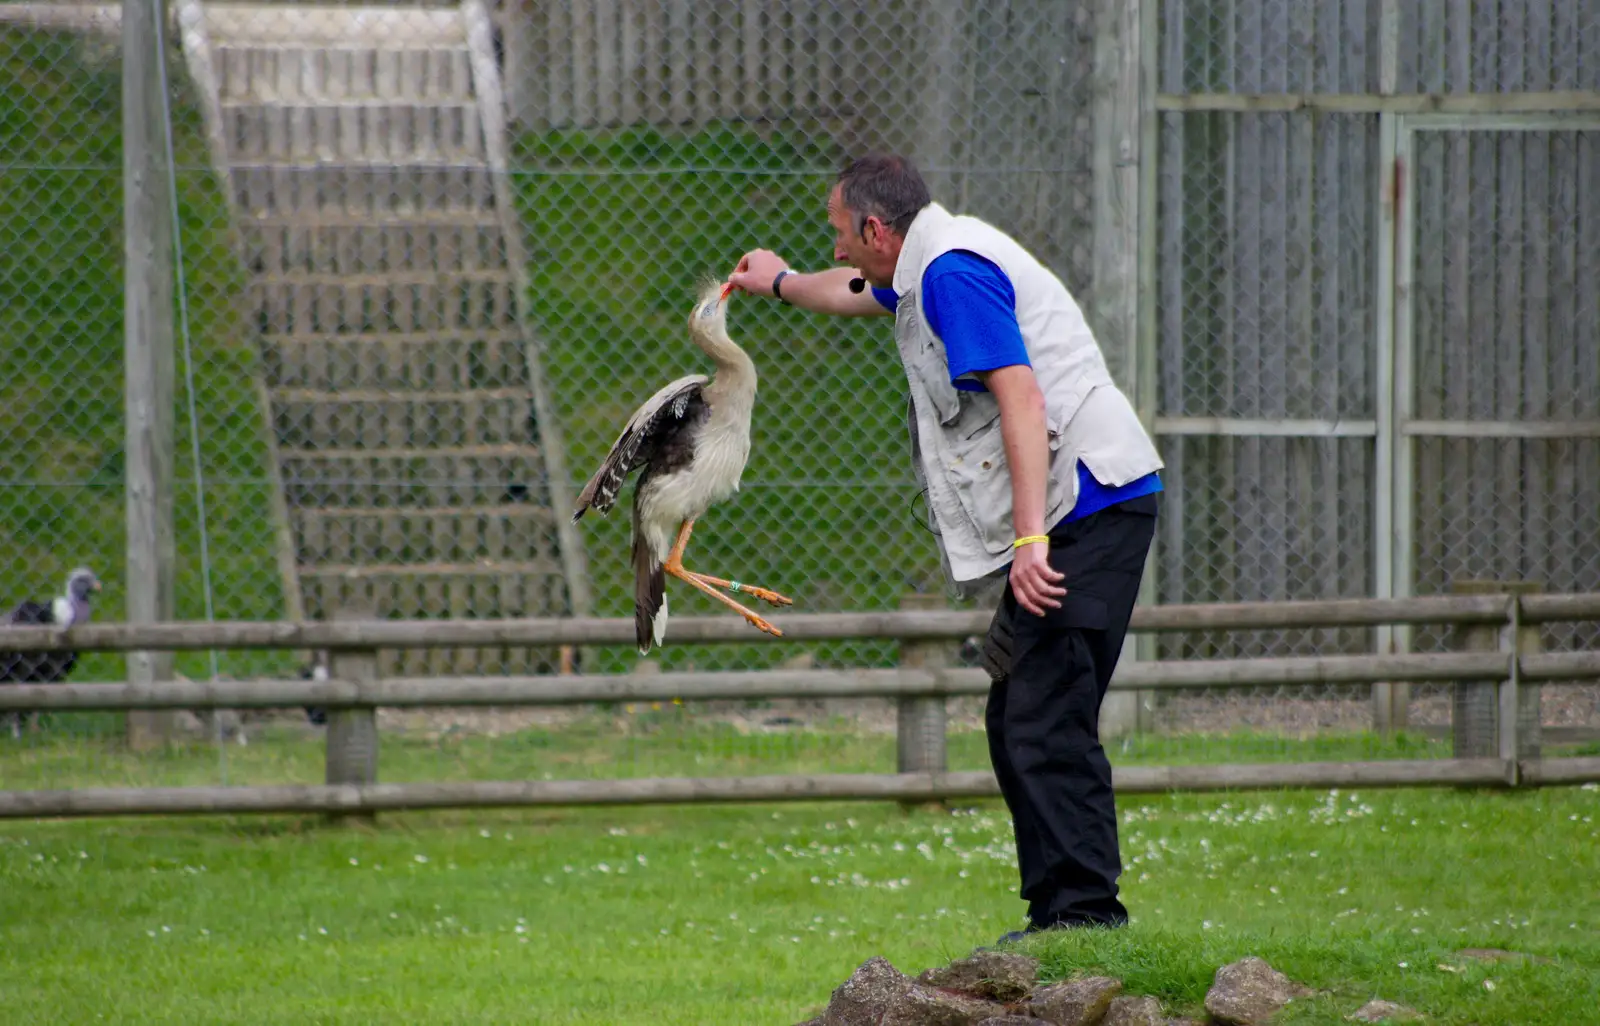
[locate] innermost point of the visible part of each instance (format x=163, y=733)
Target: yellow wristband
x=1029, y=540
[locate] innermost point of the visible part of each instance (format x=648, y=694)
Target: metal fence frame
x=1497, y=651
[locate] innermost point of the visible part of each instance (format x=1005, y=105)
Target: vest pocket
x=982, y=483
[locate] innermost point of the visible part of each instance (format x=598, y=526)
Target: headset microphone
x=858, y=285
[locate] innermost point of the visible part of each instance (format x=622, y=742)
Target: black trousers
x=1043, y=717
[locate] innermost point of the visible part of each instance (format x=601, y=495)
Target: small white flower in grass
x=420, y=858
x=1488, y=984
x=150, y=933
x=734, y=916
x=322, y=930
x=1205, y=924
x=566, y=869
x=642, y=860
x=1404, y=965
x=166, y=929
x=204, y=932
x=617, y=832
x=302, y=936
x=83, y=854
x=354, y=862
x=394, y=915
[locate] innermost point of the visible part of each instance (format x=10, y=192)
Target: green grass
x=752, y=915
x=61, y=352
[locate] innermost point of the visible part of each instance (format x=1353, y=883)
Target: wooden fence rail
x=395, y=692
x=1496, y=744
x=905, y=625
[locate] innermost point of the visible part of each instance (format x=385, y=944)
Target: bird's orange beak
x=727, y=290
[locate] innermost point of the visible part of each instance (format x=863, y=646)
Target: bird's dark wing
x=33, y=667
x=654, y=425
x=30, y=612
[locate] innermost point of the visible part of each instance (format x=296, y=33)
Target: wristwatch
x=777, y=293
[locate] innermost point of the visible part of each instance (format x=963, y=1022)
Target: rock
x=1073, y=1003
x=928, y=1006
x=1013, y=1020
x=865, y=998
x=811, y=1022
x=1250, y=992
x=996, y=975
x=1383, y=1011
x=878, y=994
x=1134, y=1011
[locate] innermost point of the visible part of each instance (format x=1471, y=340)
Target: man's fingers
x=1035, y=595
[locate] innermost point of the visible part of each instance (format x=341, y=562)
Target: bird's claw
x=761, y=624
x=767, y=596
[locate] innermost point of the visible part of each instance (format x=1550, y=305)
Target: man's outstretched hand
x=756, y=270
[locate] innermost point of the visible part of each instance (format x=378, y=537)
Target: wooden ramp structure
x=421, y=472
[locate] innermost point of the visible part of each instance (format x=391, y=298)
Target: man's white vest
x=957, y=446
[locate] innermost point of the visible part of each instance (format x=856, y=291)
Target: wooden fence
x=1497, y=672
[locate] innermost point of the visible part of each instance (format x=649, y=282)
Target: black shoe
x=1014, y=937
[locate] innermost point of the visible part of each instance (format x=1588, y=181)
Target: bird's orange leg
x=674, y=566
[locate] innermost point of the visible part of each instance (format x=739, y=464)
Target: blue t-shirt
x=972, y=307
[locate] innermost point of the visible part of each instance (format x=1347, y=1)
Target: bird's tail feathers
x=649, y=595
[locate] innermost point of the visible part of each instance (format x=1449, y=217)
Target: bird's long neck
x=734, y=382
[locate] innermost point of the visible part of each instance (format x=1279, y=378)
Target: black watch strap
x=777, y=283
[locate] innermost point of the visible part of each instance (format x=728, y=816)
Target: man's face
x=869, y=247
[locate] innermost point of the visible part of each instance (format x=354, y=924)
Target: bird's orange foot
x=760, y=623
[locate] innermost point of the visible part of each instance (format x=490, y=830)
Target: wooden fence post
x=1529, y=697
x=921, y=721
x=1478, y=721
x=352, y=738
x=147, y=359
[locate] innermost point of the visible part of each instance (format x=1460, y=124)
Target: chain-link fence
x=433, y=254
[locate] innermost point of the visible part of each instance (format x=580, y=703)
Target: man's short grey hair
x=886, y=186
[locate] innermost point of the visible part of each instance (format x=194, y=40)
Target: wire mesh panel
x=1268, y=46
x=1265, y=322
x=1506, y=326
x=1457, y=46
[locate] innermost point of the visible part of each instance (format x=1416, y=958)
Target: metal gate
x=1495, y=422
